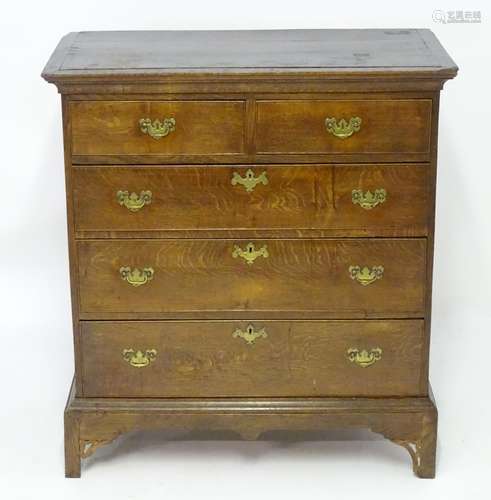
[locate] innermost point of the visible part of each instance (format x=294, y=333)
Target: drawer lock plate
x=250, y=335
x=250, y=254
x=250, y=181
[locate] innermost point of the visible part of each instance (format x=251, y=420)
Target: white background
x=36, y=362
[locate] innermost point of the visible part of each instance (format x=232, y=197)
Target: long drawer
x=343, y=126
x=354, y=200
x=345, y=278
x=261, y=358
x=157, y=127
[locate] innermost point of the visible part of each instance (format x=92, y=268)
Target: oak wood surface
x=298, y=126
x=139, y=53
x=200, y=198
x=265, y=86
x=249, y=154
x=203, y=359
x=409, y=422
x=250, y=158
x=265, y=94
x=431, y=233
x=72, y=245
x=202, y=127
x=202, y=276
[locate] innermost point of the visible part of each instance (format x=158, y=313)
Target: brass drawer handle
x=342, y=128
x=139, y=359
x=368, y=200
x=364, y=275
x=134, y=202
x=136, y=276
x=364, y=358
x=250, y=335
x=250, y=254
x=249, y=181
x=157, y=129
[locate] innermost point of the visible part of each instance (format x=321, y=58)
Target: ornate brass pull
x=136, y=277
x=134, y=202
x=250, y=335
x=368, y=200
x=364, y=358
x=250, y=254
x=249, y=181
x=157, y=129
x=342, y=128
x=364, y=275
x=139, y=359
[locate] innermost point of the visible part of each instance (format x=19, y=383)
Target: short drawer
x=346, y=278
x=157, y=127
x=341, y=200
x=257, y=358
x=343, y=126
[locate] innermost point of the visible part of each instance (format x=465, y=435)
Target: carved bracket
x=88, y=447
x=420, y=443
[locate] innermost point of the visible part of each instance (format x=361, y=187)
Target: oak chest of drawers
x=251, y=219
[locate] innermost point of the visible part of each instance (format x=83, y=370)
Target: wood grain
x=409, y=422
x=202, y=127
x=298, y=126
x=203, y=359
x=258, y=100
x=202, y=276
x=201, y=198
x=132, y=55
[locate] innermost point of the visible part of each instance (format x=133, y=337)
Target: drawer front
x=378, y=200
x=260, y=358
x=343, y=126
x=355, y=200
x=333, y=278
x=172, y=127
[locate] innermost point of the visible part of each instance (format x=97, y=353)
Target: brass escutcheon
x=136, y=276
x=364, y=358
x=249, y=181
x=250, y=335
x=364, y=275
x=157, y=129
x=134, y=202
x=342, y=128
x=250, y=254
x=139, y=359
x=368, y=200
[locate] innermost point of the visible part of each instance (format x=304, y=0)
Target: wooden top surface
x=105, y=54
